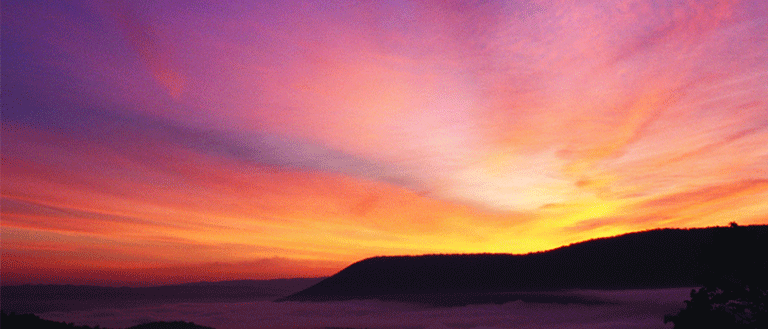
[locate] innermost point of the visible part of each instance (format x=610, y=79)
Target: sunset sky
x=148, y=142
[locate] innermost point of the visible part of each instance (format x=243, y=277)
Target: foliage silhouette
x=735, y=291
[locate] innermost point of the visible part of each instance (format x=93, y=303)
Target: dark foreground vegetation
x=29, y=321
x=735, y=287
x=661, y=258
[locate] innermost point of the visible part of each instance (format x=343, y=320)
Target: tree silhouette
x=735, y=292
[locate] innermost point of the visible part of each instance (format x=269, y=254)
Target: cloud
x=344, y=131
x=695, y=205
x=707, y=194
x=145, y=40
x=27, y=268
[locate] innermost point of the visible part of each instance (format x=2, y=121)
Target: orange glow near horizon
x=155, y=143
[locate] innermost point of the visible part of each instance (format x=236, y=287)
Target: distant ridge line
x=659, y=258
x=41, y=298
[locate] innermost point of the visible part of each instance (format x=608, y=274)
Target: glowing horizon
x=169, y=142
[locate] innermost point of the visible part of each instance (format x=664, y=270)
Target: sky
x=151, y=142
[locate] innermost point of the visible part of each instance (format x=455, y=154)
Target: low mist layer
x=623, y=309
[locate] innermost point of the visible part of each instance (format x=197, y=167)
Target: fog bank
x=624, y=309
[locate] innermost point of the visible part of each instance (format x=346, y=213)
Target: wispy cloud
x=340, y=131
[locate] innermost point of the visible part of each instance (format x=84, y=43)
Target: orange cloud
x=146, y=41
x=313, y=135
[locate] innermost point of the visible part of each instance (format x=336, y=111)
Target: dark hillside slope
x=651, y=259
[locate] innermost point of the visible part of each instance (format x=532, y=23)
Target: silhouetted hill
x=29, y=321
x=46, y=298
x=25, y=321
x=661, y=258
x=169, y=325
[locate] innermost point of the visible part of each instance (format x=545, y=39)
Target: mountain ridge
x=659, y=258
x=38, y=298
